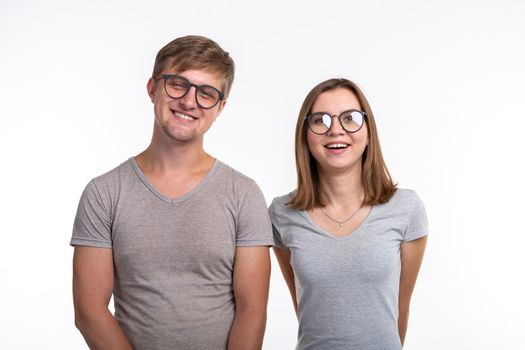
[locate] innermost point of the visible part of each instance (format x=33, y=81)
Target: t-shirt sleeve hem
x=90, y=243
x=281, y=246
x=413, y=237
x=254, y=242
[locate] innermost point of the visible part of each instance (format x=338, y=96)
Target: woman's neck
x=342, y=189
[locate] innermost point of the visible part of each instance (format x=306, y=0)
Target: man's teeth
x=184, y=116
x=337, y=145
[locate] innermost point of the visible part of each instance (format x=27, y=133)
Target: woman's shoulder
x=404, y=194
x=282, y=200
x=279, y=205
x=407, y=204
x=405, y=200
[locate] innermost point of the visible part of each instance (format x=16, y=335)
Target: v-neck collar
x=172, y=201
x=324, y=232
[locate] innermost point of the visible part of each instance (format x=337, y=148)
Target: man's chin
x=181, y=135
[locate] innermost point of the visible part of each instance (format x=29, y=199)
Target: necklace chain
x=341, y=223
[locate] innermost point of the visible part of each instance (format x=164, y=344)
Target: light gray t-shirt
x=173, y=259
x=347, y=288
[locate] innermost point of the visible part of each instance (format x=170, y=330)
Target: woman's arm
x=283, y=257
x=411, y=257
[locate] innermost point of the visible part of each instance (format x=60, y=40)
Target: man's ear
x=151, y=89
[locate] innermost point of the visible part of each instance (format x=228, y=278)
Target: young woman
x=349, y=243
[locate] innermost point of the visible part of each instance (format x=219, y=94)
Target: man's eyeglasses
x=177, y=87
x=351, y=120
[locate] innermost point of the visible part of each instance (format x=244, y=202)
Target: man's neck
x=174, y=157
x=174, y=172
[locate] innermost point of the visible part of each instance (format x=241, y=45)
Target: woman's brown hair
x=377, y=182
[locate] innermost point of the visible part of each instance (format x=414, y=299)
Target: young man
x=179, y=238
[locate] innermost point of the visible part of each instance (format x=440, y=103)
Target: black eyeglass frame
x=309, y=116
x=188, y=86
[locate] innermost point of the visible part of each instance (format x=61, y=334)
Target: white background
x=445, y=80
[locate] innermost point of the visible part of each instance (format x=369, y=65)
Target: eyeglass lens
x=321, y=122
x=177, y=87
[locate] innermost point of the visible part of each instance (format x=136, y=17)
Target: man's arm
x=283, y=257
x=92, y=289
x=411, y=257
x=251, y=279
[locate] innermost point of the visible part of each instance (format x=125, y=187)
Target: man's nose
x=189, y=100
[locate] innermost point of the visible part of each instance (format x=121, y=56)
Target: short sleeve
x=253, y=223
x=417, y=225
x=92, y=226
x=275, y=227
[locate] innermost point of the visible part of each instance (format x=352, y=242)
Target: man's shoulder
x=113, y=177
x=234, y=175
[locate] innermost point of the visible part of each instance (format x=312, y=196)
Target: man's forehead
x=179, y=68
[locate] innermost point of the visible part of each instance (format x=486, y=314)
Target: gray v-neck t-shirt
x=347, y=287
x=173, y=258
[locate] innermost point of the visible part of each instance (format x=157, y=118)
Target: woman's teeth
x=337, y=145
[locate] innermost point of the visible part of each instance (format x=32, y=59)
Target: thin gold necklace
x=341, y=223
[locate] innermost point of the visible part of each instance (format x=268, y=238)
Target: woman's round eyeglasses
x=351, y=120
